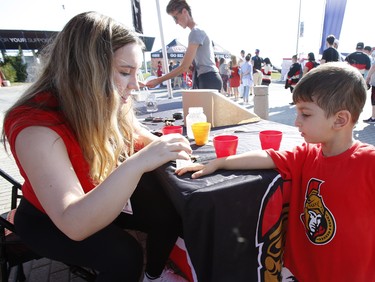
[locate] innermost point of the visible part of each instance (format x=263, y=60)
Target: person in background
x=2, y=77
x=246, y=78
x=189, y=77
x=336, y=46
x=87, y=177
x=177, y=82
x=241, y=60
x=217, y=62
x=170, y=68
x=367, y=50
x=242, y=57
x=257, y=62
x=159, y=70
x=359, y=59
x=224, y=70
x=331, y=176
x=330, y=54
x=234, y=78
x=294, y=74
x=266, y=71
x=310, y=64
x=370, y=80
x=199, y=51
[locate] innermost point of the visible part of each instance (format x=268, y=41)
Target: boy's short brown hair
x=333, y=87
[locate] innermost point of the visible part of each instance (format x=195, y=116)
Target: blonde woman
x=84, y=155
x=234, y=79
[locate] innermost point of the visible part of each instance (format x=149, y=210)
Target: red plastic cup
x=270, y=139
x=225, y=145
x=171, y=129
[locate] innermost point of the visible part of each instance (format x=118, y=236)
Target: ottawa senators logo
x=271, y=229
x=319, y=223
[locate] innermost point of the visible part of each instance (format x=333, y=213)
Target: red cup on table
x=225, y=145
x=171, y=129
x=270, y=139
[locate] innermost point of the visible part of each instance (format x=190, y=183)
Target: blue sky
x=269, y=25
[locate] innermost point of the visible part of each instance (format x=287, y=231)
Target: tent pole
x=144, y=61
x=164, y=51
x=298, y=28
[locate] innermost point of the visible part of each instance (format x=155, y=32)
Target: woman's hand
x=200, y=169
x=153, y=83
x=164, y=149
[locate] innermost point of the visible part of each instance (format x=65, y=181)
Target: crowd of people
x=237, y=81
x=363, y=59
x=232, y=76
x=229, y=71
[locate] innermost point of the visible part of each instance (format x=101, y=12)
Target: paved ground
x=279, y=111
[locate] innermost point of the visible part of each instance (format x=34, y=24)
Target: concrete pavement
x=279, y=111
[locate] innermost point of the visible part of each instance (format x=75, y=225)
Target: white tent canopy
x=176, y=50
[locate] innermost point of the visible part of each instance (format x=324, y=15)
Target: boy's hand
x=200, y=169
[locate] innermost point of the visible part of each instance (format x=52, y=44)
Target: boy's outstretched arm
x=249, y=160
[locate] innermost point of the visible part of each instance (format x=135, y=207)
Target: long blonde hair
x=79, y=72
x=234, y=60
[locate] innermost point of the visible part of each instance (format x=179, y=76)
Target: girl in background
x=223, y=69
x=266, y=71
x=234, y=80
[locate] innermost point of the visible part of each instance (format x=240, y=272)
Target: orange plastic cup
x=201, y=132
x=225, y=145
x=270, y=139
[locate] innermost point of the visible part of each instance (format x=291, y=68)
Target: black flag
x=137, y=17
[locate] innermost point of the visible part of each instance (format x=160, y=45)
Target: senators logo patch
x=319, y=223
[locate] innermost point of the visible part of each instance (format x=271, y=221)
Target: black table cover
x=233, y=219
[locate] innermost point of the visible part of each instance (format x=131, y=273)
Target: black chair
x=13, y=252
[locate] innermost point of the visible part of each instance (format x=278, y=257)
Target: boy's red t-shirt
x=331, y=223
x=25, y=116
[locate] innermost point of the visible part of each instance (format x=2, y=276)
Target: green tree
x=8, y=71
x=19, y=66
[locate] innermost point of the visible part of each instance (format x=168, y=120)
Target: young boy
x=331, y=223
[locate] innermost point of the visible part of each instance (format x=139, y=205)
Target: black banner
x=137, y=16
x=25, y=39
